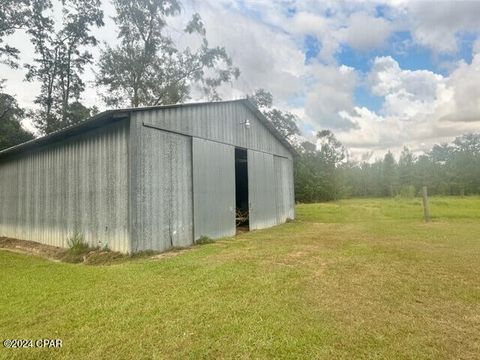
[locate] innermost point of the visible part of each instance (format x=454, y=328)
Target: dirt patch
x=30, y=247
x=171, y=253
x=242, y=229
x=89, y=256
x=104, y=257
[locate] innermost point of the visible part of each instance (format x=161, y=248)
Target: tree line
x=323, y=173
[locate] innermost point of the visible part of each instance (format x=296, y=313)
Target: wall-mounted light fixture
x=247, y=124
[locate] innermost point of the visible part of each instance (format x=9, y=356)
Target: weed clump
x=204, y=240
x=76, y=243
x=77, y=248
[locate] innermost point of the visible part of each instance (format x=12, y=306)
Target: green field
x=350, y=279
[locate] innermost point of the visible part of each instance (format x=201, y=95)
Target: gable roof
x=109, y=116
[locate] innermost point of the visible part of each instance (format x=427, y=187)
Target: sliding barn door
x=261, y=190
x=284, y=189
x=163, y=197
x=213, y=189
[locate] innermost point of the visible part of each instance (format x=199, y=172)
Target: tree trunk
x=66, y=94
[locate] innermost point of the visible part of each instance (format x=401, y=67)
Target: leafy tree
x=61, y=58
x=440, y=153
x=284, y=121
x=405, y=166
x=319, y=169
x=147, y=68
x=262, y=99
x=11, y=115
x=14, y=15
x=305, y=180
x=468, y=143
x=427, y=174
x=464, y=163
x=437, y=178
x=77, y=112
x=333, y=149
x=333, y=154
x=389, y=174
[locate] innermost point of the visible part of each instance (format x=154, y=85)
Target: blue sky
x=402, y=47
x=379, y=74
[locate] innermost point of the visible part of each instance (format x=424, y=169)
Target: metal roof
x=109, y=116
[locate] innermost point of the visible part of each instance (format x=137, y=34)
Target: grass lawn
x=350, y=279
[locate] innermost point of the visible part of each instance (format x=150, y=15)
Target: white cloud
x=437, y=24
x=420, y=108
x=331, y=92
x=466, y=82
x=365, y=32
x=372, y=131
x=305, y=23
x=406, y=92
x=362, y=30
x=267, y=58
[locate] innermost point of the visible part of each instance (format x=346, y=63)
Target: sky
x=381, y=74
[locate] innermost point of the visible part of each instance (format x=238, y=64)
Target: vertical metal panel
x=261, y=190
x=221, y=122
x=78, y=184
x=284, y=189
x=289, y=187
x=181, y=223
x=213, y=189
x=162, y=197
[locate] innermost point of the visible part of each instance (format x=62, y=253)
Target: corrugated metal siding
x=213, y=189
x=284, y=189
x=261, y=190
x=290, y=189
x=81, y=183
x=162, y=190
x=221, y=122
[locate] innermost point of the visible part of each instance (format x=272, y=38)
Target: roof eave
x=112, y=115
x=89, y=124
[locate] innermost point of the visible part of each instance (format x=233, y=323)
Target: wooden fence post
x=426, y=208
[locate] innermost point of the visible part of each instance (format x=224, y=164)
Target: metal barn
x=149, y=178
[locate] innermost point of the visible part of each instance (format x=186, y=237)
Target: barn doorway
x=241, y=190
